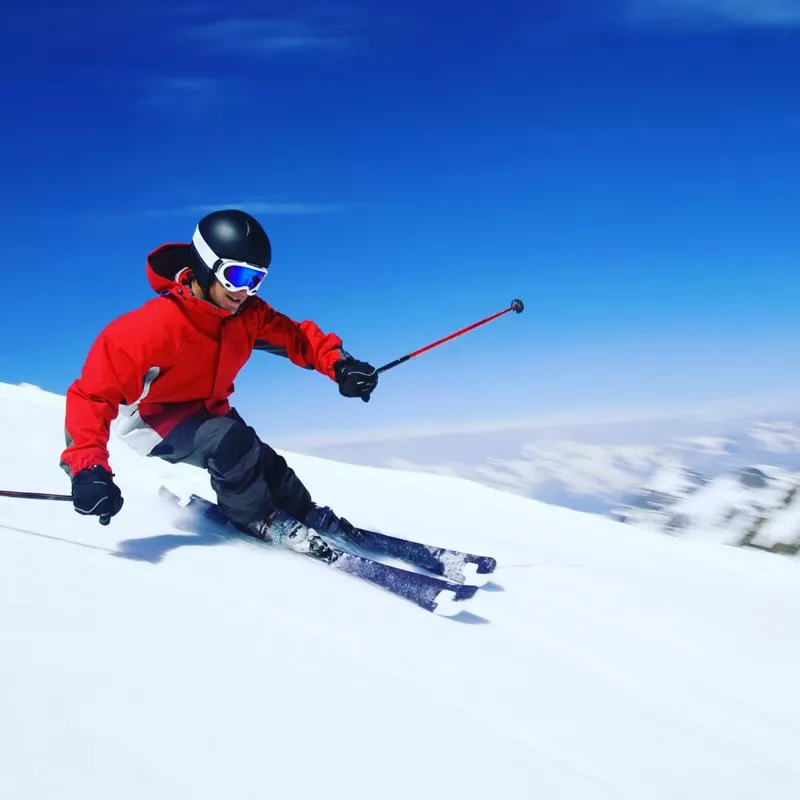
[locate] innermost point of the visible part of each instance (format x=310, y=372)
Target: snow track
x=139, y=660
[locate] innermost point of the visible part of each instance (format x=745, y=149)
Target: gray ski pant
x=249, y=477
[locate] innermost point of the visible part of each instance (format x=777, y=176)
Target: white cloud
x=711, y=445
x=689, y=13
x=273, y=36
x=712, y=411
x=777, y=437
x=253, y=207
x=286, y=207
x=188, y=93
x=577, y=467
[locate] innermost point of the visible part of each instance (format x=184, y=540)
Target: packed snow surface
x=139, y=660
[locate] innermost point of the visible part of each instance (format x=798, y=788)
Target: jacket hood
x=164, y=265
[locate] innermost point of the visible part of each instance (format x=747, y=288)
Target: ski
x=431, y=593
x=450, y=564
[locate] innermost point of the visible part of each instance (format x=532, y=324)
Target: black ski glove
x=95, y=493
x=355, y=378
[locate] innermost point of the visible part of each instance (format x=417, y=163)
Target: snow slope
x=141, y=661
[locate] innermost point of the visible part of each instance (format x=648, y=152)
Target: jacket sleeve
x=110, y=376
x=303, y=343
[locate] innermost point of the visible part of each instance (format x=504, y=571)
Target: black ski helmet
x=228, y=233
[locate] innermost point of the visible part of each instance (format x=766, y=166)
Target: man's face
x=222, y=298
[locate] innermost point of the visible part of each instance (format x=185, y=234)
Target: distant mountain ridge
x=755, y=506
x=591, y=467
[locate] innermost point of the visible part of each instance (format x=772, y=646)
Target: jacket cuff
x=73, y=467
x=335, y=357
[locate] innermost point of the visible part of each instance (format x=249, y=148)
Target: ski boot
x=282, y=529
x=344, y=534
x=323, y=520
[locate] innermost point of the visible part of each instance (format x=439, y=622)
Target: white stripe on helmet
x=203, y=249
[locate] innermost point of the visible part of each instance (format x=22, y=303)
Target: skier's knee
x=236, y=448
x=274, y=465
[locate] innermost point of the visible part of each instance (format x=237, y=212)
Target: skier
x=162, y=374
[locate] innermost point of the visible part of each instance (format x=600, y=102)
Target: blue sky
x=628, y=168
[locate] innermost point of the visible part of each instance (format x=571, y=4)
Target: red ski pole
x=517, y=306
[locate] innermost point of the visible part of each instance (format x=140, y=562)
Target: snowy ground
x=140, y=661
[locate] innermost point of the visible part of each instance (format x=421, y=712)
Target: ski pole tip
x=518, y=306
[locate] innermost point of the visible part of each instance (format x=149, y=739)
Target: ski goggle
x=232, y=274
x=238, y=275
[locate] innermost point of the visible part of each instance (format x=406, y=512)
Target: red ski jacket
x=175, y=356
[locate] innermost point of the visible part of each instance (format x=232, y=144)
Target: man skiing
x=162, y=375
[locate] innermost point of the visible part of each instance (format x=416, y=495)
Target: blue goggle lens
x=243, y=277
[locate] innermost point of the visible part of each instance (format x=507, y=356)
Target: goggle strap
x=205, y=252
